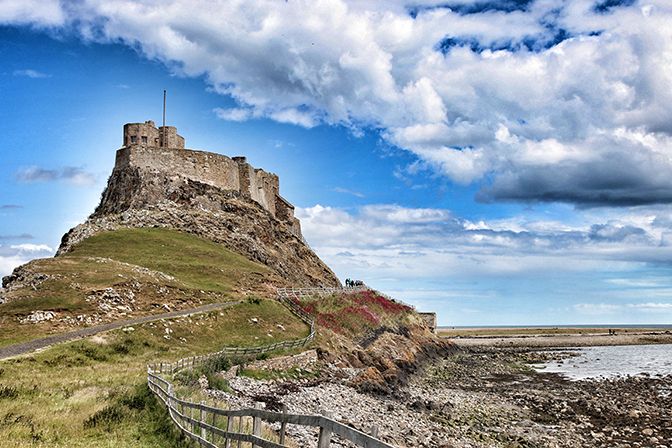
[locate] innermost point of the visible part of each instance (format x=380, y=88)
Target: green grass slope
x=155, y=269
x=195, y=262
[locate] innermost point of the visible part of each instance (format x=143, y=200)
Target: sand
x=583, y=338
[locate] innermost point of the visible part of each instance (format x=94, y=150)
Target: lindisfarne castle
x=162, y=149
x=157, y=182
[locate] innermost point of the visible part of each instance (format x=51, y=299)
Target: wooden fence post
x=214, y=423
x=229, y=428
x=283, y=425
x=202, y=417
x=256, y=424
x=170, y=399
x=240, y=429
x=325, y=435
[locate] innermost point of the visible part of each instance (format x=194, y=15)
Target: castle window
x=144, y=140
x=134, y=139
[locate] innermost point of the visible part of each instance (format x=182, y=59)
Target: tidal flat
x=486, y=396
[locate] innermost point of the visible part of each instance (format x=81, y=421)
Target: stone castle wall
x=213, y=169
x=231, y=174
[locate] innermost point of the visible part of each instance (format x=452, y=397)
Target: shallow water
x=612, y=361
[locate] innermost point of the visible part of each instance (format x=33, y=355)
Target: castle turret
x=147, y=134
x=168, y=138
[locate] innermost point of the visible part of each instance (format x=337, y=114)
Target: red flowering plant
x=354, y=313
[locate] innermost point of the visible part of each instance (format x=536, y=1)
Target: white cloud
x=597, y=308
x=43, y=13
x=651, y=306
x=70, y=174
x=17, y=254
x=30, y=73
x=357, y=194
x=610, y=308
x=233, y=114
x=390, y=241
x=27, y=247
x=547, y=102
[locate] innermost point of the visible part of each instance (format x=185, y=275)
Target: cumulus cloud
x=18, y=254
x=556, y=100
x=43, y=13
x=70, y=174
x=391, y=241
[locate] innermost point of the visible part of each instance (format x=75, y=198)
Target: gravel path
x=36, y=344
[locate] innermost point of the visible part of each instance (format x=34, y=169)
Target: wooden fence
x=213, y=427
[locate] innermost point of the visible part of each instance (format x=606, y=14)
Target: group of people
x=349, y=283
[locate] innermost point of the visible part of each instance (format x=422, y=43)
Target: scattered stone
x=38, y=316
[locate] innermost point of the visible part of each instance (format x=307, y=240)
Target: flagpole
x=164, y=119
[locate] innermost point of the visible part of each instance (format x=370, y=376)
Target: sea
x=613, y=361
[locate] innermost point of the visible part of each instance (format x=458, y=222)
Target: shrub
x=8, y=392
x=254, y=300
x=217, y=382
x=106, y=417
x=92, y=352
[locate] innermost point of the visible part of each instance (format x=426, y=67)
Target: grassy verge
x=92, y=393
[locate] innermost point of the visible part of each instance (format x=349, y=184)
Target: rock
x=146, y=197
x=371, y=380
x=203, y=382
x=38, y=316
x=647, y=432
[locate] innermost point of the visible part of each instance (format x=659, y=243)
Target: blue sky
x=500, y=162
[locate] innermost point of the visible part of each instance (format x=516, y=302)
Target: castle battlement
x=144, y=149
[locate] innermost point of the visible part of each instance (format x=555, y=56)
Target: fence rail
x=213, y=427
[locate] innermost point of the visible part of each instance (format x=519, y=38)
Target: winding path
x=36, y=344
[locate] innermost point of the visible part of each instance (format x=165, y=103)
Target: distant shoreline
x=569, y=326
x=536, y=337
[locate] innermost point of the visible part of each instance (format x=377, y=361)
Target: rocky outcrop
x=150, y=198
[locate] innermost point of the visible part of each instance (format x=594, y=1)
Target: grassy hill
x=92, y=392
x=125, y=273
